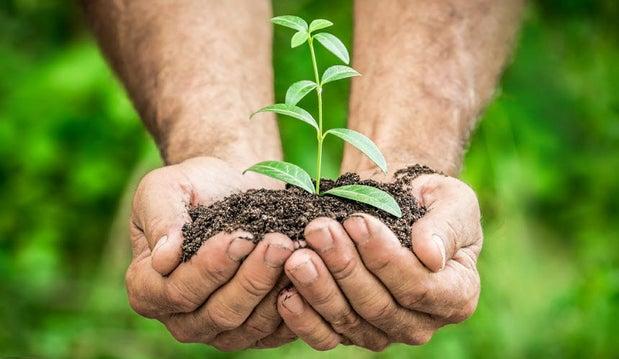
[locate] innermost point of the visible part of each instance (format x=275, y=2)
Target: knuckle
x=317, y=224
x=469, y=309
x=470, y=299
x=130, y=279
x=150, y=180
x=259, y=330
x=472, y=198
x=138, y=306
x=415, y=296
x=179, y=298
x=454, y=229
x=214, y=272
x=464, y=313
x=379, y=346
x=181, y=334
x=417, y=337
x=347, y=322
x=310, y=329
x=303, y=328
x=325, y=297
x=263, y=323
x=136, y=301
x=224, y=320
x=379, y=310
x=328, y=342
x=379, y=261
x=254, y=287
x=344, y=268
x=468, y=195
x=466, y=190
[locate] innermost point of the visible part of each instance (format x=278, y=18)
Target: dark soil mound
x=288, y=211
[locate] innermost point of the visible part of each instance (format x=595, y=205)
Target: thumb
x=452, y=221
x=159, y=211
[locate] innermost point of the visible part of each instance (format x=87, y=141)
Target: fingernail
x=321, y=238
x=163, y=240
x=440, y=245
x=293, y=303
x=305, y=272
x=239, y=248
x=275, y=255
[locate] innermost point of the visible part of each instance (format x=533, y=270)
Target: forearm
x=429, y=67
x=195, y=70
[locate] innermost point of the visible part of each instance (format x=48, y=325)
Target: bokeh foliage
x=544, y=161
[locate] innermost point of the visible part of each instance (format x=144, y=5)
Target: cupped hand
x=357, y=284
x=226, y=294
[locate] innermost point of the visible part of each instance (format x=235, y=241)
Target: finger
x=452, y=221
x=450, y=294
x=263, y=322
x=192, y=282
x=231, y=305
x=217, y=260
x=312, y=279
x=282, y=335
x=305, y=322
x=365, y=293
x=159, y=210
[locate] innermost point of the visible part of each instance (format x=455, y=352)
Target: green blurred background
x=544, y=161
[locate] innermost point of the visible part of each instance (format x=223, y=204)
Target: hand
x=226, y=294
x=358, y=284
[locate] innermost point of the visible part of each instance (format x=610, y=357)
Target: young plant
x=295, y=175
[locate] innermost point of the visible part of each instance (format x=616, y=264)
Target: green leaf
x=368, y=195
x=319, y=24
x=293, y=22
x=298, y=38
x=338, y=72
x=286, y=172
x=298, y=90
x=292, y=111
x=362, y=143
x=333, y=44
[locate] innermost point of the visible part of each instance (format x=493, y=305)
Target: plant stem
x=319, y=136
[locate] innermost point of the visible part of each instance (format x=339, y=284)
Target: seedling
x=295, y=175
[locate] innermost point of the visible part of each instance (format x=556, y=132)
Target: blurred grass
x=544, y=162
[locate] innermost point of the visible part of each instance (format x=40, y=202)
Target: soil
x=288, y=211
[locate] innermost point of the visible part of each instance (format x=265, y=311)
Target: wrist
x=427, y=135
x=229, y=136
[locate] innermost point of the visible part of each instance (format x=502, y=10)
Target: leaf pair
x=295, y=175
x=298, y=90
x=329, y=41
x=297, y=23
x=358, y=140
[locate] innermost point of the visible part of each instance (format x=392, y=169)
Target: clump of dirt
x=288, y=211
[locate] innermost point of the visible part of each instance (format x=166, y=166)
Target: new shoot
x=295, y=175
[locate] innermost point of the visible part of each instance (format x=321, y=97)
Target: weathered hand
x=226, y=294
x=358, y=284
